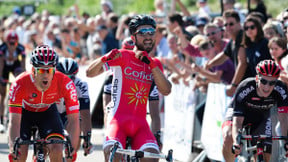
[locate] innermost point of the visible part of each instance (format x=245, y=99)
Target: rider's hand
x=111, y=55
x=236, y=149
x=144, y=57
x=87, y=148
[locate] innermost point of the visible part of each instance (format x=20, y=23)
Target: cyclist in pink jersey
x=133, y=72
x=32, y=102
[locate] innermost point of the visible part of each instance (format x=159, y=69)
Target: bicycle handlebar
x=19, y=141
x=140, y=154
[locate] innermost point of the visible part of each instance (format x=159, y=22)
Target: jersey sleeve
x=112, y=63
x=15, y=98
x=83, y=94
x=238, y=103
x=282, y=103
x=153, y=94
x=69, y=94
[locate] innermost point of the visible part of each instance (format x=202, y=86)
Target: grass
x=127, y=6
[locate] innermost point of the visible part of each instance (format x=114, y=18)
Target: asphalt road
x=95, y=156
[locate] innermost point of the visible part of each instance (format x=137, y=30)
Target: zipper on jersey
x=42, y=97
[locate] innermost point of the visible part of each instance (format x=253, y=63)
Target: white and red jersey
x=24, y=94
x=131, y=85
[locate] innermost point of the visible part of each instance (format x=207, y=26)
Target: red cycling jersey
x=132, y=81
x=24, y=94
x=131, y=85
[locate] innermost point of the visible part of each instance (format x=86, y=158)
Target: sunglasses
x=145, y=31
x=49, y=70
x=264, y=82
x=252, y=27
x=212, y=33
x=229, y=24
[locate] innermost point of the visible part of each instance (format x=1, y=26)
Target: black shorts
x=48, y=123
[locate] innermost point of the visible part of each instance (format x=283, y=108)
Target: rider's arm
x=236, y=125
x=155, y=116
x=96, y=67
x=85, y=121
x=73, y=128
x=69, y=94
x=283, y=119
x=14, y=128
x=163, y=85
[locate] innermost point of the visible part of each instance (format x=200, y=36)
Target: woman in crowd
x=254, y=44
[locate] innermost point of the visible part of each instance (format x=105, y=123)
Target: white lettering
x=246, y=91
x=137, y=74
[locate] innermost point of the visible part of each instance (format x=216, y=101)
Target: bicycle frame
x=139, y=154
x=259, y=139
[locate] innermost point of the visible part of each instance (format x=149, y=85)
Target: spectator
x=161, y=44
x=234, y=29
x=254, y=45
x=69, y=47
x=107, y=8
x=278, y=50
x=273, y=29
x=108, y=41
x=203, y=8
x=174, y=20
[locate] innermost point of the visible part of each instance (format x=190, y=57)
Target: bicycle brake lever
x=169, y=157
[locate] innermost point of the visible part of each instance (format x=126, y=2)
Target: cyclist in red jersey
x=133, y=72
x=32, y=102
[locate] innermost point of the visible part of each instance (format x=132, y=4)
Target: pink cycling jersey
x=24, y=94
x=131, y=85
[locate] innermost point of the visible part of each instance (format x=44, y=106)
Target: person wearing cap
x=204, y=9
x=201, y=22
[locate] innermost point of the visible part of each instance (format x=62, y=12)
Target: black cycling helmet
x=268, y=68
x=139, y=20
x=44, y=55
x=68, y=66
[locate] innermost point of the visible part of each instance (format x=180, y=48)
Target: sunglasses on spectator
x=270, y=83
x=145, y=31
x=229, y=24
x=48, y=70
x=212, y=33
x=252, y=27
